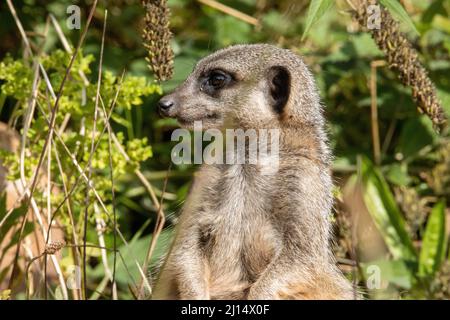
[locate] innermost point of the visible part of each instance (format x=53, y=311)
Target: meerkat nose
x=165, y=105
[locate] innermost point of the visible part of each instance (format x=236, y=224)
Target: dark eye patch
x=214, y=81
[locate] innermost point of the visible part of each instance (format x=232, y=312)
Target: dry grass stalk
x=374, y=110
x=160, y=222
x=94, y=133
x=156, y=37
x=230, y=11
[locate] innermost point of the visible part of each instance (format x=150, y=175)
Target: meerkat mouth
x=208, y=117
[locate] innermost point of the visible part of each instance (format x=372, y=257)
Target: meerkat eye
x=215, y=80
x=218, y=79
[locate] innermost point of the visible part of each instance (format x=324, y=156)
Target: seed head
x=403, y=59
x=156, y=38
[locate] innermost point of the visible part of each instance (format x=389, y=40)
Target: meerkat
x=244, y=233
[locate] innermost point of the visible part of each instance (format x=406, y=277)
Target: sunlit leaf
x=137, y=249
x=394, y=272
x=397, y=10
x=121, y=120
x=433, y=243
x=5, y=294
x=13, y=219
x=316, y=10
x=384, y=211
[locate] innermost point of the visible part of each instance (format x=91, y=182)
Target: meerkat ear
x=280, y=87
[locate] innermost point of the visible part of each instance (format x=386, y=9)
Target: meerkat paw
x=319, y=290
x=262, y=293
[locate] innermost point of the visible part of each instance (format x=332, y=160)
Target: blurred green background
x=397, y=194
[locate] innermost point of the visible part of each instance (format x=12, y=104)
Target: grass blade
x=316, y=10
x=397, y=10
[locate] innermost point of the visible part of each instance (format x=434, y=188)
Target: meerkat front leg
x=184, y=275
x=191, y=276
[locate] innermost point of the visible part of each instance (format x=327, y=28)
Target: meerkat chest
x=237, y=229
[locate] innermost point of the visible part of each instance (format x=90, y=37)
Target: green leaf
x=444, y=96
x=416, y=134
x=230, y=31
x=433, y=243
x=2, y=206
x=436, y=7
x=397, y=10
x=120, y=120
x=316, y=10
x=5, y=294
x=395, y=272
x=397, y=173
x=384, y=211
x=13, y=219
x=29, y=227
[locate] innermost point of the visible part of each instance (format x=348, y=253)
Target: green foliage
x=385, y=213
x=134, y=254
x=394, y=273
x=407, y=269
x=18, y=78
x=8, y=227
x=78, y=101
x=421, y=129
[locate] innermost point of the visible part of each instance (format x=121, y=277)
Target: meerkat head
x=248, y=86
